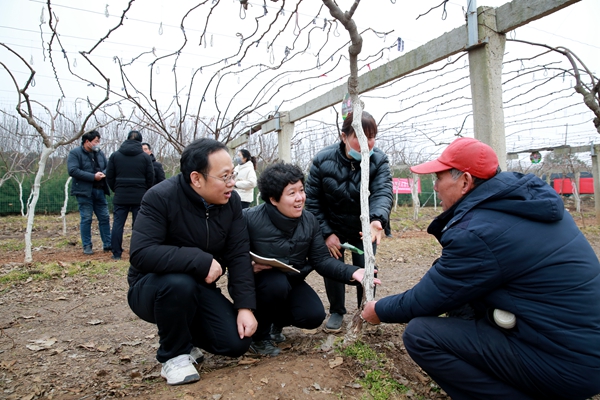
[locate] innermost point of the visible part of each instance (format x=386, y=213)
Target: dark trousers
x=336, y=291
x=246, y=204
x=187, y=314
x=285, y=302
x=120, y=212
x=472, y=359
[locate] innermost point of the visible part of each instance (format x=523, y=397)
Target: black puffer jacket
x=294, y=241
x=159, y=172
x=333, y=191
x=175, y=233
x=129, y=173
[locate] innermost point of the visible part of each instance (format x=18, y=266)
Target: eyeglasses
x=226, y=178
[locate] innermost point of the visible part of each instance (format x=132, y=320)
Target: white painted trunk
x=357, y=109
x=63, y=210
x=21, y=197
x=34, y=199
x=414, y=193
x=576, y=196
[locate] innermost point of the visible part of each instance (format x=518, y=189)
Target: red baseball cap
x=466, y=155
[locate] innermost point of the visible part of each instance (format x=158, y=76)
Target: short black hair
x=147, y=144
x=195, y=157
x=368, y=124
x=89, y=136
x=275, y=178
x=134, y=135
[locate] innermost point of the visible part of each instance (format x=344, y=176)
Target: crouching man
x=518, y=280
x=188, y=232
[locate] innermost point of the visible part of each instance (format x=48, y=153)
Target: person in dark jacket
x=517, y=278
x=333, y=196
x=129, y=175
x=87, y=166
x=159, y=172
x=280, y=229
x=189, y=231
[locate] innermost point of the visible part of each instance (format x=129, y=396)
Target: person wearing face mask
x=280, y=229
x=87, y=166
x=333, y=196
x=246, y=176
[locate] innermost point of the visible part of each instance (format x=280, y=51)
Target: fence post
x=485, y=67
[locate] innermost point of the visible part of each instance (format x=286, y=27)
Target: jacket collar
x=284, y=224
x=191, y=194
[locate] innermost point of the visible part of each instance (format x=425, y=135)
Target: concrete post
x=284, y=137
x=596, y=175
x=485, y=66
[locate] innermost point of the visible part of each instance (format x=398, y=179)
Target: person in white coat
x=246, y=176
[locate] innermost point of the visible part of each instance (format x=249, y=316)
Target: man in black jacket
x=159, y=172
x=189, y=231
x=129, y=175
x=87, y=167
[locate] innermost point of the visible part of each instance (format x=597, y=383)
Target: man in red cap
x=517, y=281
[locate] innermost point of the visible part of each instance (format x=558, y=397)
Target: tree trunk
x=46, y=152
x=21, y=197
x=414, y=192
x=63, y=210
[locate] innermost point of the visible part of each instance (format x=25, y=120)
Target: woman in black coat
x=280, y=229
x=333, y=196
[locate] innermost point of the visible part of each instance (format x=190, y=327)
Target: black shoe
x=107, y=249
x=88, y=250
x=115, y=257
x=276, y=334
x=334, y=324
x=197, y=354
x=265, y=348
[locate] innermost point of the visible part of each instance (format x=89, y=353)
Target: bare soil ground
x=72, y=335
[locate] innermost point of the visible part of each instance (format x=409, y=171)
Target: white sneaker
x=197, y=355
x=180, y=370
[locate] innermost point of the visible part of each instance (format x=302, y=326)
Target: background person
x=245, y=181
x=159, y=172
x=129, y=175
x=190, y=231
x=521, y=276
x=280, y=229
x=87, y=166
x=333, y=196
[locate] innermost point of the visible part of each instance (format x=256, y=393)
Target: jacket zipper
x=207, y=231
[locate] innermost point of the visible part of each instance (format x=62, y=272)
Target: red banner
x=564, y=186
x=402, y=185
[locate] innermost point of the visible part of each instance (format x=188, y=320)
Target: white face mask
x=96, y=148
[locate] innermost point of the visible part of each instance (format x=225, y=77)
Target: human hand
x=260, y=267
x=334, y=245
x=369, y=314
x=214, y=273
x=246, y=323
x=99, y=175
x=359, y=275
x=376, y=231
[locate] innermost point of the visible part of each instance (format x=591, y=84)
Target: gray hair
x=456, y=173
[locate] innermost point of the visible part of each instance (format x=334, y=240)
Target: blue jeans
x=120, y=212
x=96, y=204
